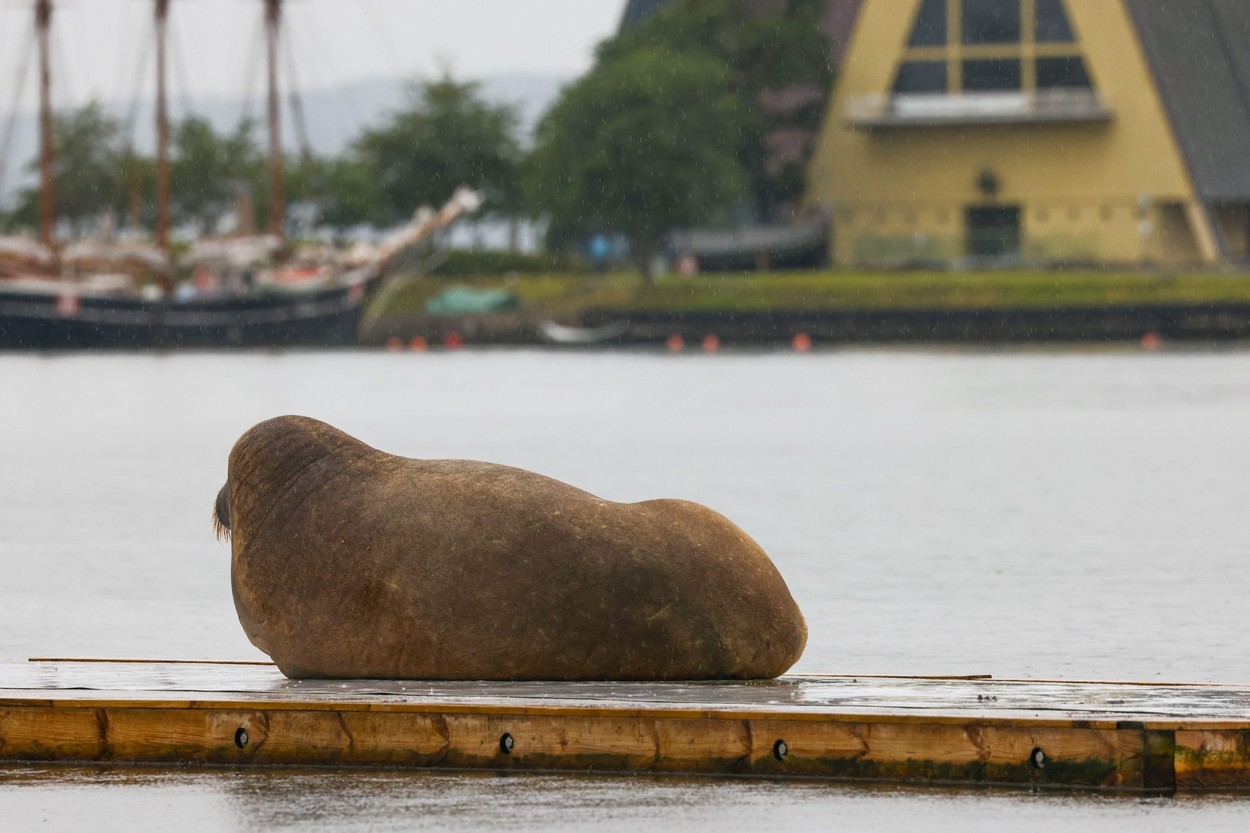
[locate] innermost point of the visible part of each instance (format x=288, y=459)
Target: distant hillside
x=335, y=116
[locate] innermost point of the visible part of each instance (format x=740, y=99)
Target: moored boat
x=47, y=314
x=256, y=290
x=105, y=311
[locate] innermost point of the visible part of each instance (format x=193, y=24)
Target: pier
x=974, y=730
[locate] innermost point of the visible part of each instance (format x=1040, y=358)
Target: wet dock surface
x=1157, y=738
x=813, y=696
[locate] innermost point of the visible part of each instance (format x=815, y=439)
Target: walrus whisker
x=220, y=531
x=221, y=514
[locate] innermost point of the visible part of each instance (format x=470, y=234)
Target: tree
x=89, y=177
x=767, y=51
x=445, y=137
x=210, y=169
x=96, y=175
x=643, y=143
x=341, y=189
x=207, y=170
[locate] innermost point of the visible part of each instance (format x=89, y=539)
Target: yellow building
x=1040, y=131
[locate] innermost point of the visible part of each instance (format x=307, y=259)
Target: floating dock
x=1130, y=737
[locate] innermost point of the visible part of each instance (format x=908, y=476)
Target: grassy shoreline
x=570, y=293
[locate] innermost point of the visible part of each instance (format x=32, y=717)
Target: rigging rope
x=251, y=68
x=312, y=33
x=296, y=103
x=64, y=80
x=124, y=48
x=130, y=162
x=383, y=34
x=180, y=66
x=10, y=126
x=132, y=115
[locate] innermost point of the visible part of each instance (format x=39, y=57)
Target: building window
x=920, y=77
x=976, y=46
x=1062, y=74
x=930, y=28
x=992, y=75
x=1051, y=23
x=990, y=21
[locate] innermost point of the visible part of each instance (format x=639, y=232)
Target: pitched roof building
x=1047, y=131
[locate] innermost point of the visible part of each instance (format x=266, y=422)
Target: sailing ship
x=81, y=296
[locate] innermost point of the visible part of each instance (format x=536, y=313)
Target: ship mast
x=47, y=201
x=277, y=209
x=163, y=221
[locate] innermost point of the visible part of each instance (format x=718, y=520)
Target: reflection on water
x=224, y=801
x=1021, y=514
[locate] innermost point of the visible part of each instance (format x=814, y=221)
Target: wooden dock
x=1105, y=736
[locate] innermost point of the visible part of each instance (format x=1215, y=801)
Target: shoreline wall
x=1121, y=323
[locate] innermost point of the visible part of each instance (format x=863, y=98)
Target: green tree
x=341, y=189
x=643, y=143
x=208, y=169
x=446, y=136
x=89, y=174
x=780, y=49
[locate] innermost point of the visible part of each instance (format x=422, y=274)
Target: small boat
x=561, y=334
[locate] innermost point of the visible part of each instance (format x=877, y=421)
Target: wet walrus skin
x=348, y=562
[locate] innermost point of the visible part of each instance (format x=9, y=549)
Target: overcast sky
x=99, y=42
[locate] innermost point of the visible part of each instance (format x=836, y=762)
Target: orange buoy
x=1150, y=341
x=675, y=343
x=418, y=344
x=801, y=342
x=393, y=344
x=711, y=343
x=453, y=340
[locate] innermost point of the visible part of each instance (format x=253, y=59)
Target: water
x=378, y=802
x=1023, y=514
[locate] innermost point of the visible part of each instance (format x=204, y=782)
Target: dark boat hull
x=44, y=321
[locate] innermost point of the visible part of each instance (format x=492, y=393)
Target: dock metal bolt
x=780, y=750
x=506, y=743
x=1037, y=757
x=240, y=737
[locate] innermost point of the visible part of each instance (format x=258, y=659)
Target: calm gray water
x=1021, y=514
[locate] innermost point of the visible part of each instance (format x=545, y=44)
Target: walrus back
x=387, y=567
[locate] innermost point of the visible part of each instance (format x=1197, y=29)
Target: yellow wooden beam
x=1114, y=755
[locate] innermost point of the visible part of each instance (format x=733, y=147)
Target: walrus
x=348, y=562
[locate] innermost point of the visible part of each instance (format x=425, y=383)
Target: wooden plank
x=1213, y=759
x=47, y=734
x=116, y=661
x=959, y=731
x=906, y=752
x=944, y=753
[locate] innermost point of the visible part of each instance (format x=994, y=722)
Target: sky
x=100, y=43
